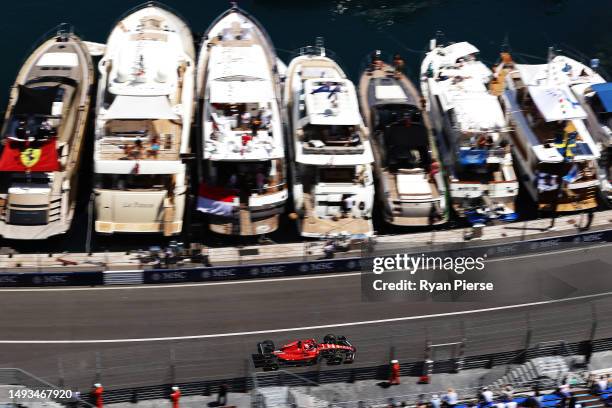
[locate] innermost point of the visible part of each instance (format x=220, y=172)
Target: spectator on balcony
x=435, y=401
x=421, y=402
x=485, y=397
x=533, y=401
x=507, y=393
x=451, y=398
x=602, y=384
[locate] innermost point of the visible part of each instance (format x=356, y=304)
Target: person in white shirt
x=451, y=397
x=435, y=401
x=487, y=395
x=602, y=384
x=245, y=118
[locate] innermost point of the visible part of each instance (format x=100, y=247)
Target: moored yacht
x=143, y=122
x=333, y=184
x=595, y=97
x=472, y=132
x=244, y=189
x=554, y=150
x=43, y=137
x=410, y=186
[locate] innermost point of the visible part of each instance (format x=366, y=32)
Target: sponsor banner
x=251, y=271
x=51, y=279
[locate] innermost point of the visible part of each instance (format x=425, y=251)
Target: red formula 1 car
x=333, y=349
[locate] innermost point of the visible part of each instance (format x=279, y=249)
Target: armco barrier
x=30, y=279
x=251, y=271
x=259, y=271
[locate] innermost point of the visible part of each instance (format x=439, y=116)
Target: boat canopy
x=35, y=101
x=254, y=90
x=604, y=92
x=331, y=102
x=458, y=50
x=478, y=113
x=141, y=107
x=556, y=103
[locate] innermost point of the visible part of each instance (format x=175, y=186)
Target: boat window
x=32, y=178
x=478, y=172
x=240, y=116
x=247, y=176
x=134, y=181
x=333, y=136
x=337, y=175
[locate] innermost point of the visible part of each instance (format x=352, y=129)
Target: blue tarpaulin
x=604, y=92
x=473, y=156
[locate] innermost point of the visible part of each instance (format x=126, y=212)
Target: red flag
x=217, y=193
x=35, y=156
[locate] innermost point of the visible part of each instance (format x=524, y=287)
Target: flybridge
x=331, y=102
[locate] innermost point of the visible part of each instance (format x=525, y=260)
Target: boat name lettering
x=136, y=204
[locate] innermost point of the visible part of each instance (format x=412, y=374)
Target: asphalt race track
x=132, y=336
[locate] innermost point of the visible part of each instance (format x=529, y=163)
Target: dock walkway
x=310, y=250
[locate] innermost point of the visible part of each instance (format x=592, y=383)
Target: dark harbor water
x=351, y=28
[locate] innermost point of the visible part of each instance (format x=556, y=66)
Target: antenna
x=320, y=44
x=549, y=58
x=234, y=4
x=505, y=46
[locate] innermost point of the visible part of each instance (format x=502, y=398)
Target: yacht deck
x=140, y=140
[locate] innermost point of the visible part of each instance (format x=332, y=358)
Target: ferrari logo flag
x=30, y=156
x=18, y=157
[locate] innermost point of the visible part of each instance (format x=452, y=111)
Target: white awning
x=389, y=92
x=141, y=107
x=556, y=103
x=457, y=50
x=58, y=59
x=533, y=74
x=251, y=91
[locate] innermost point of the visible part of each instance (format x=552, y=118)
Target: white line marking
x=295, y=329
x=332, y=275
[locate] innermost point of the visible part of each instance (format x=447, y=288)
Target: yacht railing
x=268, y=189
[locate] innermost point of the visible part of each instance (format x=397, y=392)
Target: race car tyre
x=329, y=339
x=335, y=358
x=267, y=346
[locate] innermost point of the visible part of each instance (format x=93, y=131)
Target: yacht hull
x=42, y=204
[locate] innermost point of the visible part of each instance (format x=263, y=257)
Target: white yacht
x=244, y=188
x=143, y=121
x=555, y=151
x=333, y=184
x=410, y=184
x=595, y=97
x=472, y=132
x=42, y=139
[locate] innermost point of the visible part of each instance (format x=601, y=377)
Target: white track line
x=179, y=285
x=296, y=329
